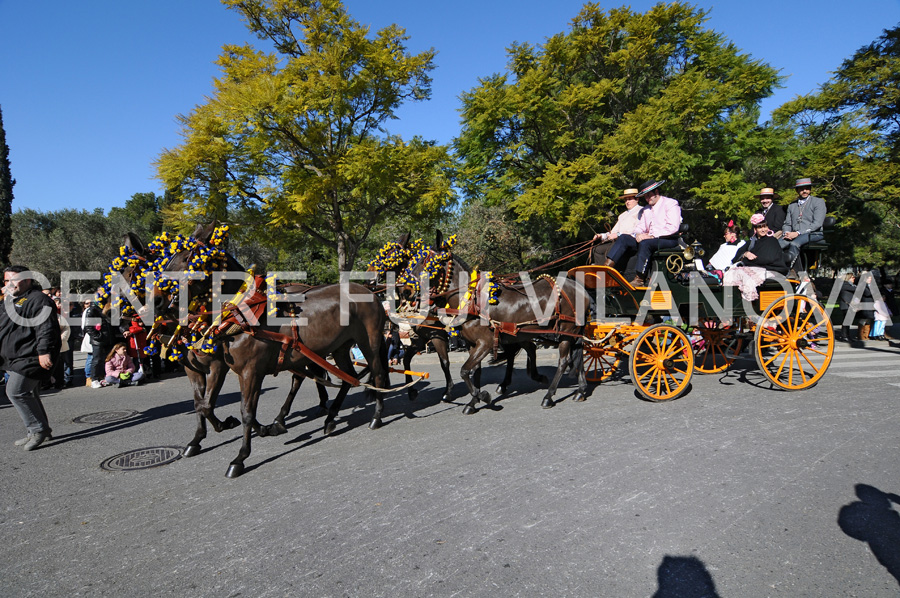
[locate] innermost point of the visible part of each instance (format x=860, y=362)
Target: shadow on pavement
x=152, y=414
x=682, y=577
x=873, y=520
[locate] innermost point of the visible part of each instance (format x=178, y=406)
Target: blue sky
x=90, y=90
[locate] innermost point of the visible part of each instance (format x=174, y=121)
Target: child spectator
x=120, y=368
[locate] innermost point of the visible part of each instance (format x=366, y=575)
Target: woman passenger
x=757, y=264
x=728, y=250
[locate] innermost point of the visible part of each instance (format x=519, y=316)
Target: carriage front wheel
x=662, y=362
x=794, y=342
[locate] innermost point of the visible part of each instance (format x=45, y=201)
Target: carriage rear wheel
x=794, y=342
x=662, y=363
x=715, y=347
x=600, y=363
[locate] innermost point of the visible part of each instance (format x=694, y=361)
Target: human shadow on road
x=684, y=577
x=872, y=520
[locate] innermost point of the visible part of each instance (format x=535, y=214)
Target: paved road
x=734, y=490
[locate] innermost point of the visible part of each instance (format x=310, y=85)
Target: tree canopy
x=620, y=98
x=847, y=135
x=6, y=198
x=298, y=134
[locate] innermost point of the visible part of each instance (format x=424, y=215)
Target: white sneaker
x=96, y=384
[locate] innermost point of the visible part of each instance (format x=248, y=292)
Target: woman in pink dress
x=759, y=262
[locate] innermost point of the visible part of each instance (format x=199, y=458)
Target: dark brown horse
x=206, y=371
x=321, y=330
x=545, y=310
x=394, y=258
x=397, y=257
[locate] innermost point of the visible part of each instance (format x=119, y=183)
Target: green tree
x=6, y=198
x=620, y=98
x=298, y=134
x=848, y=140
x=142, y=214
x=65, y=240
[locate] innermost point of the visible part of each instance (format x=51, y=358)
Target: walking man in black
x=29, y=346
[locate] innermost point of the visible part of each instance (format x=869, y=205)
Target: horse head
x=199, y=255
x=437, y=265
x=392, y=257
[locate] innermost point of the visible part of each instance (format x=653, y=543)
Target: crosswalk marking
x=871, y=361
x=843, y=364
x=879, y=374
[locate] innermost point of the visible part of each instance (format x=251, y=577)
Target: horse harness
x=471, y=306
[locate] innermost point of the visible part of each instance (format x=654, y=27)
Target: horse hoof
x=329, y=428
x=277, y=429
x=446, y=398
x=469, y=410
x=413, y=394
x=579, y=399
x=547, y=404
x=485, y=397
x=375, y=424
x=544, y=380
x=230, y=423
x=501, y=391
x=192, y=450
x=234, y=470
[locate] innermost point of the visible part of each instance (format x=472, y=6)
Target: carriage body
x=682, y=324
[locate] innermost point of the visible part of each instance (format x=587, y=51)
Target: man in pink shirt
x=657, y=227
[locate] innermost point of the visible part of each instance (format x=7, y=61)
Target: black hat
x=648, y=187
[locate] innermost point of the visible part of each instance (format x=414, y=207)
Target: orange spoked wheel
x=600, y=363
x=794, y=342
x=715, y=346
x=662, y=363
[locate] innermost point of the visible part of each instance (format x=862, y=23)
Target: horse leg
x=198, y=384
x=408, y=354
x=565, y=360
x=442, y=348
x=277, y=427
x=531, y=352
x=510, y=351
x=329, y=425
x=206, y=392
x=473, y=365
x=378, y=366
x=251, y=383
x=578, y=355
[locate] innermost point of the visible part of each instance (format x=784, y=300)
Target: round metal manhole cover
x=144, y=458
x=105, y=417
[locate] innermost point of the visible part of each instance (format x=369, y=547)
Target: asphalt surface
x=734, y=490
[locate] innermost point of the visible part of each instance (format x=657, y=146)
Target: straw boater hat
x=768, y=192
x=807, y=182
x=648, y=187
x=627, y=193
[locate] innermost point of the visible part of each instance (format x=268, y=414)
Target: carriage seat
x=811, y=253
x=678, y=249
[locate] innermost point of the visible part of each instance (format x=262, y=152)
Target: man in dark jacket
x=773, y=212
x=101, y=336
x=29, y=345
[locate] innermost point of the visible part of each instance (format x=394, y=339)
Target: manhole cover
x=105, y=417
x=144, y=458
